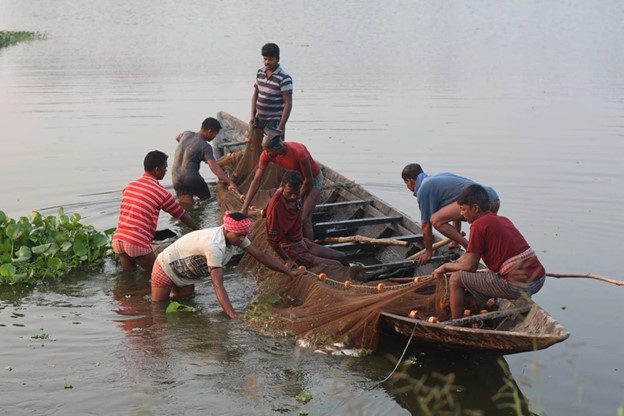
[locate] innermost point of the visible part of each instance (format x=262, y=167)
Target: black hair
x=238, y=216
x=475, y=194
x=411, y=171
x=211, y=123
x=293, y=179
x=154, y=159
x=271, y=50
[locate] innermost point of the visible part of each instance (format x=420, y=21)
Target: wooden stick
x=589, y=276
x=364, y=239
x=435, y=246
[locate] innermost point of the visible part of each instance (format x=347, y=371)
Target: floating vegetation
x=38, y=247
x=175, y=306
x=11, y=38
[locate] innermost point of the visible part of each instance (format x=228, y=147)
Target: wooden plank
x=352, y=245
x=358, y=222
x=489, y=315
x=323, y=207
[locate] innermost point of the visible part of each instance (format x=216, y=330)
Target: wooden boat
x=384, y=240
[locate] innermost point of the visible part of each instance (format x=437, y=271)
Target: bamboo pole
x=588, y=276
x=435, y=246
x=369, y=240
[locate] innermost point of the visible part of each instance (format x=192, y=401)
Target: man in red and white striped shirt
x=141, y=202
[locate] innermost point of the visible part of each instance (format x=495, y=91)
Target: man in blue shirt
x=437, y=195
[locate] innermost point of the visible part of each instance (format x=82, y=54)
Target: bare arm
x=216, y=274
x=189, y=221
x=253, y=188
x=306, y=167
x=271, y=262
x=216, y=169
x=254, y=99
x=427, y=233
x=467, y=262
x=286, y=111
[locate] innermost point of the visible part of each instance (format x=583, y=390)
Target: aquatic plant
x=11, y=38
x=38, y=247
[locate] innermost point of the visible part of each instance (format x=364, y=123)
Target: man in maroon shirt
x=513, y=268
x=284, y=228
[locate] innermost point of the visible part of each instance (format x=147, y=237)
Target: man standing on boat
x=284, y=223
x=513, y=268
x=436, y=195
x=194, y=148
x=141, y=202
x=271, y=101
x=205, y=252
x=290, y=156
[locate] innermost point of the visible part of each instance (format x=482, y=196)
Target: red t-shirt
x=283, y=220
x=496, y=240
x=294, y=154
x=141, y=202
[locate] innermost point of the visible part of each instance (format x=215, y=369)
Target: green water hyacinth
x=10, y=38
x=38, y=247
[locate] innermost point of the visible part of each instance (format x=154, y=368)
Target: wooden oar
x=588, y=276
x=368, y=240
x=435, y=246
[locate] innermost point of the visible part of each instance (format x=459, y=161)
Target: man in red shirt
x=290, y=156
x=284, y=228
x=141, y=202
x=513, y=267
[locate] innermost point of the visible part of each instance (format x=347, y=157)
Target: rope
x=400, y=358
x=333, y=282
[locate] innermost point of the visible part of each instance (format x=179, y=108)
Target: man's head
x=473, y=202
x=210, y=128
x=409, y=174
x=291, y=185
x=273, y=141
x=155, y=162
x=271, y=56
x=236, y=226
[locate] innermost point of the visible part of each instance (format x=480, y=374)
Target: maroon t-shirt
x=496, y=240
x=283, y=219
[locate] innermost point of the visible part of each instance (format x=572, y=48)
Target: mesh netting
x=320, y=311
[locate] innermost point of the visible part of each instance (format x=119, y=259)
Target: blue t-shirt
x=436, y=191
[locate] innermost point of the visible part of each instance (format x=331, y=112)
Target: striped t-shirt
x=141, y=202
x=270, y=103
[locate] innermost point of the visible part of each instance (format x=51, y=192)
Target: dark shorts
x=261, y=123
x=298, y=252
x=191, y=185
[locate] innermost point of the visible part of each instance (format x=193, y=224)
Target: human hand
x=423, y=258
x=296, y=272
x=439, y=271
x=290, y=264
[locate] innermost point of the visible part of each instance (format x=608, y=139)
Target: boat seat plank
x=357, y=222
x=324, y=207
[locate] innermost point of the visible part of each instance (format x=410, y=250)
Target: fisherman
x=271, y=101
x=436, y=195
x=141, y=202
x=193, y=148
x=291, y=156
x=284, y=228
x=205, y=252
x=513, y=268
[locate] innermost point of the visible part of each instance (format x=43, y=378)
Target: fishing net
x=333, y=308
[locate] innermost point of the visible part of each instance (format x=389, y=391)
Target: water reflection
x=444, y=382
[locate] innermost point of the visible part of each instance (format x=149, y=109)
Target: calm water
x=527, y=97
